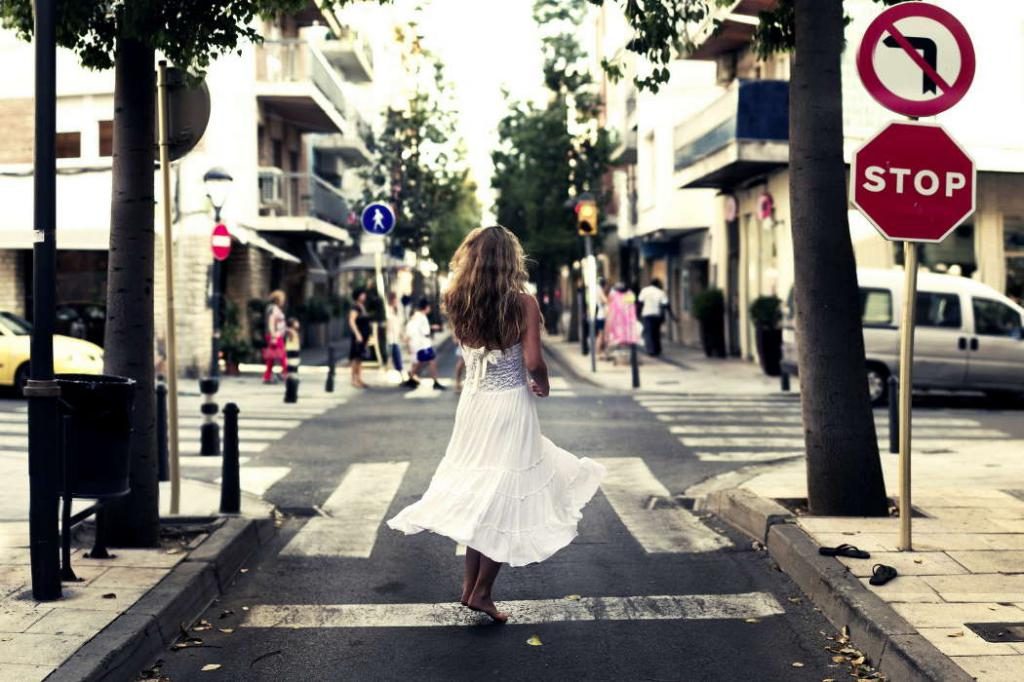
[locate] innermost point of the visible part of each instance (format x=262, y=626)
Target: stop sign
x=913, y=182
x=220, y=242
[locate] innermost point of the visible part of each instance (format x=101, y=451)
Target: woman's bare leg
x=356, y=369
x=469, y=580
x=481, y=599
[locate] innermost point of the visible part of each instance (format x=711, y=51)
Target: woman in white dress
x=503, y=490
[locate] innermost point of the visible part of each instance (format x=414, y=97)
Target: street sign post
x=916, y=59
x=220, y=242
x=913, y=181
x=379, y=220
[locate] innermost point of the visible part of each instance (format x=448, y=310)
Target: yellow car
x=69, y=355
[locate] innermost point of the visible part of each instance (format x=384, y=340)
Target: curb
x=141, y=634
x=889, y=641
x=566, y=366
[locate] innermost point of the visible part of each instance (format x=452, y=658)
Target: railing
x=355, y=41
x=297, y=61
x=301, y=194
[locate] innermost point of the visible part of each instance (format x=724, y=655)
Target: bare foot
x=486, y=605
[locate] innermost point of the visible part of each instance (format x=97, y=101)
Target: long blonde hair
x=488, y=276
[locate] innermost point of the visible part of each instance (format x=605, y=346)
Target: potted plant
x=766, y=314
x=234, y=347
x=314, y=314
x=709, y=309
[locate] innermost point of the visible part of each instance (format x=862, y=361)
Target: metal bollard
x=784, y=382
x=163, y=465
x=210, y=430
x=291, y=384
x=329, y=385
x=230, y=485
x=634, y=365
x=894, y=415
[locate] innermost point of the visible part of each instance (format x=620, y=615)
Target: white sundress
x=502, y=488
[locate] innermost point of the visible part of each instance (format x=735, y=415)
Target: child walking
x=421, y=344
x=503, y=490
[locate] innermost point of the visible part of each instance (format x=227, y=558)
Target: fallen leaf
x=958, y=633
x=243, y=570
x=245, y=608
x=110, y=595
x=226, y=631
x=845, y=632
x=795, y=600
x=202, y=626
x=838, y=659
x=572, y=597
x=534, y=641
x=858, y=661
x=174, y=550
x=918, y=561
x=210, y=667
x=751, y=620
x=797, y=664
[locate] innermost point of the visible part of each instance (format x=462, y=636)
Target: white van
x=968, y=336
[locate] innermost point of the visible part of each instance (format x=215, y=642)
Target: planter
x=712, y=337
x=231, y=368
x=769, y=349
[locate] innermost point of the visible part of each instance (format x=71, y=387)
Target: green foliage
x=314, y=309
x=766, y=311
x=419, y=165
x=709, y=305
x=547, y=155
x=233, y=342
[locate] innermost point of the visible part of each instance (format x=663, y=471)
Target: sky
x=486, y=46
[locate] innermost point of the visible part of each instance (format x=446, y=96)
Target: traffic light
x=586, y=218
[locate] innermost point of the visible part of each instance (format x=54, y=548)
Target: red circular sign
x=923, y=51
x=220, y=242
x=913, y=182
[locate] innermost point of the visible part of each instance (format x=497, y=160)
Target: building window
x=1013, y=239
x=106, y=138
x=938, y=310
x=69, y=145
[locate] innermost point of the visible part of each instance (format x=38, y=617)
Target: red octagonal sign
x=913, y=182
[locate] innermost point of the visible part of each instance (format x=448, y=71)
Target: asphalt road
x=725, y=614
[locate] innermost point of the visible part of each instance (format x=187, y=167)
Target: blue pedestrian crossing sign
x=378, y=219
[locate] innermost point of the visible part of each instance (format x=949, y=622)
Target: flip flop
x=844, y=550
x=881, y=574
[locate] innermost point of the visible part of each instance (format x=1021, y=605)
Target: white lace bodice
x=494, y=370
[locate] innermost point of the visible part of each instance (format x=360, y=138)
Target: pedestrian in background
x=421, y=345
x=395, y=331
x=654, y=305
x=601, y=316
x=620, y=326
x=274, y=333
x=503, y=490
x=359, y=326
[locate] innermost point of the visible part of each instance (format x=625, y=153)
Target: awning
x=252, y=238
x=297, y=225
x=365, y=261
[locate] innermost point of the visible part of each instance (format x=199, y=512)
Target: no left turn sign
x=916, y=59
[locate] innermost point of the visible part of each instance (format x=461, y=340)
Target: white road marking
x=523, y=612
x=761, y=456
x=629, y=485
x=245, y=433
x=247, y=422
x=14, y=417
x=14, y=441
x=426, y=391
x=460, y=550
x=206, y=461
x=754, y=419
x=714, y=409
x=742, y=442
x=14, y=428
x=357, y=506
x=558, y=383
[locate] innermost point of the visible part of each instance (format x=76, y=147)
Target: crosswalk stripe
x=521, y=612
x=244, y=432
x=797, y=430
x=13, y=417
x=14, y=441
x=715, y=409
x=424, y=392
x=248, y=422
x=756, y=419
x=358, y=506
x=628, y=486
x=742, y=441
x=760, y=456
x=207, y=461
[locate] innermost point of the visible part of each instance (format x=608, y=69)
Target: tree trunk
x=133, y=521
x=844, y=473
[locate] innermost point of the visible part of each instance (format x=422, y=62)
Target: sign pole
x=378, y=267
x=169, y=334
x=590, y=278
x=906, y=388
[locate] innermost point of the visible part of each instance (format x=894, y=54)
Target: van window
x=993, y=318
x=938, y=310
x=876, y=307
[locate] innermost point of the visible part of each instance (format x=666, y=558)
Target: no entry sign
x=913, y=182
x=220, y=242
x=916, y=59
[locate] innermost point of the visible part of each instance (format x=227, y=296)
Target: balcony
x=292, y=203
x=296, y=80
x=350, y=148
x=350, y=53
x=728, y=28
x=742, y=134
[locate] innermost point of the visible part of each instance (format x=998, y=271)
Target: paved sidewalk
x=968, y=563
x=678, y=370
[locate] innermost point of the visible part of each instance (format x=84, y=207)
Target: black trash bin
x=95, y=412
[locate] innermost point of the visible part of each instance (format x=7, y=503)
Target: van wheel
x=878, y=385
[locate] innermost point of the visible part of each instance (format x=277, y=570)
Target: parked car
x=69, y=355
x=968, y=336
x=82, y=320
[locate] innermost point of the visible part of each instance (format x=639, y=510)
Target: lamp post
x=218, y=185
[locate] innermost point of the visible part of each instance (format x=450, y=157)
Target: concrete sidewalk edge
x=891, y=643
x=565, y=365
x=143, y=632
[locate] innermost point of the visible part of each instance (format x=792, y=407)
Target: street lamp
x=218, y=185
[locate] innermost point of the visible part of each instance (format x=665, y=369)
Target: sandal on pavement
x=844, y=550
x=881, y=574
